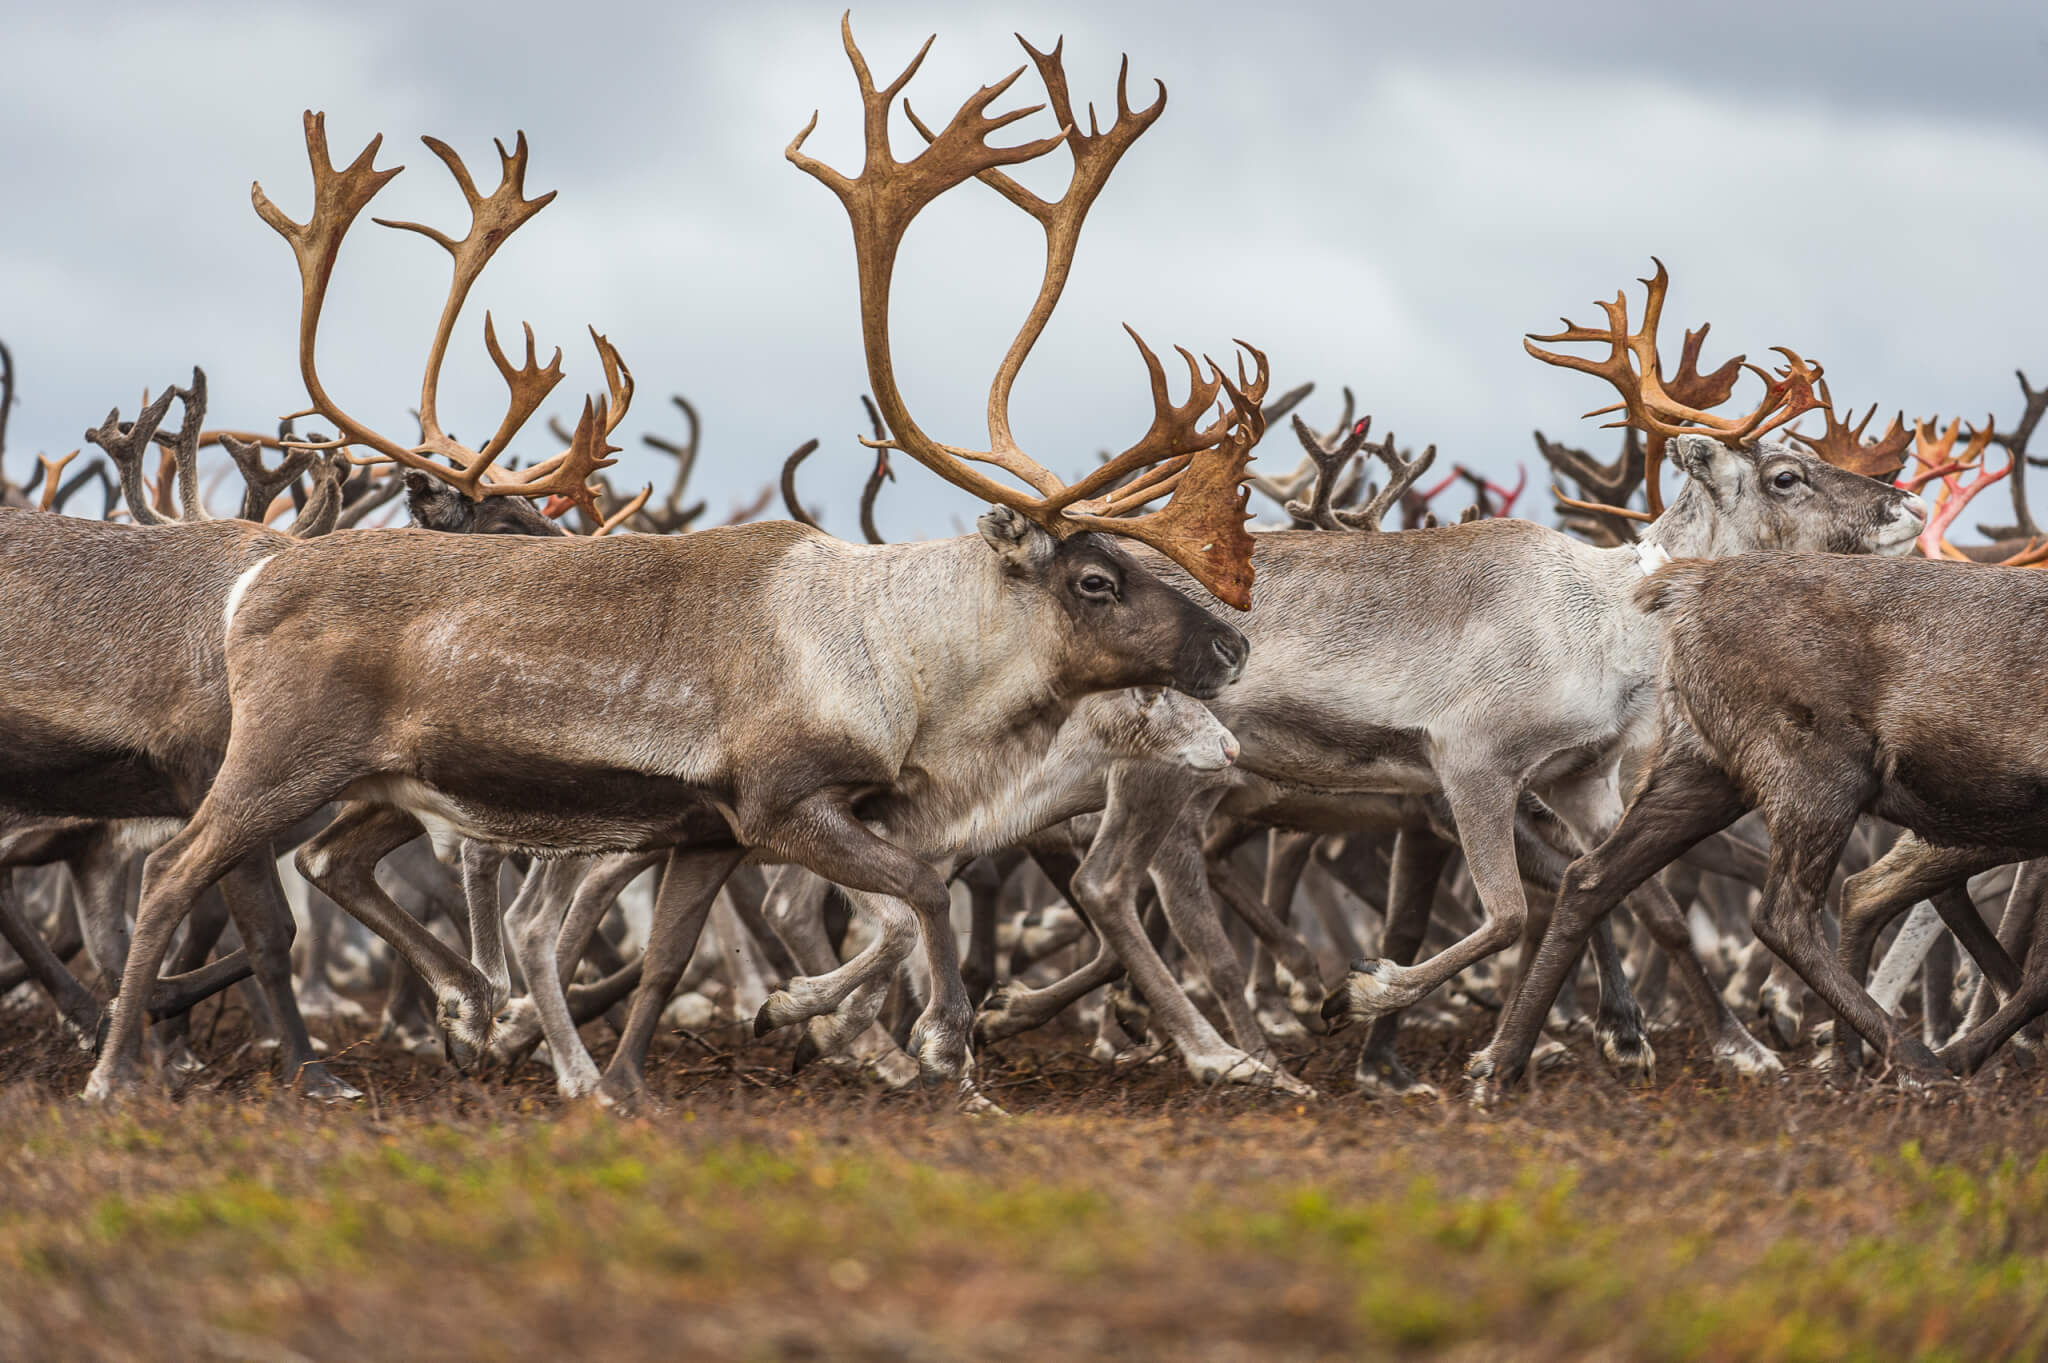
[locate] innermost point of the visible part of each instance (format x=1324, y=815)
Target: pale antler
x=1202, y=528
x=339, y=196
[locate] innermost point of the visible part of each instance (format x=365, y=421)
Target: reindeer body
x=113, y=685
x=1797, y=685
x=1484, y=660
x=739, y=690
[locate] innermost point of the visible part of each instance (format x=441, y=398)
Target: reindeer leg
x=76, y=1007
x=1683, y=800
x=535, y=922
x=99, y=872
x=1107, y=885
x=1805, y=844
x=341, y=860
x=1967, y=1054
x=487, y=918
x=984, y=889
x=256, y=902
x=688, y=885
x=1483, y=808
x=1418, y=863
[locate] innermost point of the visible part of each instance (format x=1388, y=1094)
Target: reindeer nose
x=1232, y=649
x=1915, y=508
x=1229, y=749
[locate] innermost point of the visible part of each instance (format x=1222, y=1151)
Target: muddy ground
x=1132, y=1214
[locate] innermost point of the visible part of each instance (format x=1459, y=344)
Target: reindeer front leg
x=822, y=833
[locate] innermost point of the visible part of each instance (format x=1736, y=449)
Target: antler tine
x=493, y=218
x=1401, y=476
x=1095, y=154
x=1331, y=460
x=125, y=446
x=7, y=402
x=184, y=447
x=1955, y=494
x=881, y=203
x=52, y=470
x=880, y=474
x=262, y=485
x=685, y=454
x=790, y=503
x=2015, y=443
x=1842, y=444
x=330, y=469
x=339, y=196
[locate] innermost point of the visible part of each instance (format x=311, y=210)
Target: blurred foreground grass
x=1691, y=1224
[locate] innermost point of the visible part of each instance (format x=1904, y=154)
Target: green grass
x=828, y=1227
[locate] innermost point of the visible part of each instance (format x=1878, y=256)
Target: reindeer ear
x=1708, y=462
x=1023, y=547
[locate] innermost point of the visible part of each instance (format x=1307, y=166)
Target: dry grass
x=1133, y=1216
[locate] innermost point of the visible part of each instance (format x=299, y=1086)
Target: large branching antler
x=1202, y=466
x=1662, y=409
x=339, y=196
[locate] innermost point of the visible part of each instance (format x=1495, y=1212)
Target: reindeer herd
x=1165, y=769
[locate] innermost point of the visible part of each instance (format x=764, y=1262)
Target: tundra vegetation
x=570, y=920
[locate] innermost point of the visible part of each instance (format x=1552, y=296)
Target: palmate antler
x=1662, y=409
x=1202, y=466
x=339, y=195
x=1843, y=445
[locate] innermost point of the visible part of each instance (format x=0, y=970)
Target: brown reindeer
x=1794, y=685
x=744, y=691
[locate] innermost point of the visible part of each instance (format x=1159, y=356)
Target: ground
x=1125, y=1215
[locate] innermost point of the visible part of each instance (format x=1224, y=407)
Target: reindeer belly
x=545, y=806
x=1961, y=802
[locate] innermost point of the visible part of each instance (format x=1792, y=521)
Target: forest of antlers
x=284, y=714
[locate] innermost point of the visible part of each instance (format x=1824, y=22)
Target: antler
x=1330, y=458
x=1202, y=528
x=1842, y=444
x=1401, y=476
x=126, y=444
x=1939, y=463
x=2015, y=442
x=339, y=196
x=1658, y=409
x=1289, y=487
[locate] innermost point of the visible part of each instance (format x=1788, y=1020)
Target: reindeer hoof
x=322, y=1087
x=1385, y=1076
x=1628, y=1054
x=807, y=1050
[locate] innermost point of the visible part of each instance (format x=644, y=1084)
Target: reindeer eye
x=1095, y=584
x=1786, y=478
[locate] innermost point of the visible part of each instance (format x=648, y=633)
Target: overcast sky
x=1381, y=195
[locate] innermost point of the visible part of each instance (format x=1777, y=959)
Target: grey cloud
x=1385, y=196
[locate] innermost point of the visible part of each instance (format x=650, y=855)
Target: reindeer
x=1815, y=724
x=817, y=677
x=1353, y=697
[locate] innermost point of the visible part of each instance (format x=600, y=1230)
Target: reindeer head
x=435, y=504
x=1743, y=492
x=1104, y=622
x=1766, y=495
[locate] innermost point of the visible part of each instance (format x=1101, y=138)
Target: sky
x=1384, y=196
